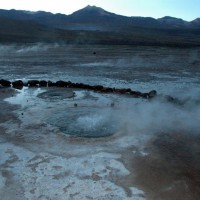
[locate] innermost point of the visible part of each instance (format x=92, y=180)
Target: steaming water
x=158, y=141
x=84, y=124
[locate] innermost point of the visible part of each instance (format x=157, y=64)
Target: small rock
x=43, y=83
x=5, y=83
x=33, y=83
x=18, y=84
x=112, y=104
x=152, y=93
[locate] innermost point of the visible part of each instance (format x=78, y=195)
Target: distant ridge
x=92, y=10
x=91, y=14
x=93, y=24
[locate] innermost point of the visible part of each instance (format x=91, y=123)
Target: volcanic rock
x=152, y=93
x=18, y=84
x=5, y=83
x=43, y=83
x=61, y=84
x=33, y=83
x=135, y=94
x=51, y=84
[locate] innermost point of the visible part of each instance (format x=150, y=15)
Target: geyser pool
x=85, y=122
x=92, y=116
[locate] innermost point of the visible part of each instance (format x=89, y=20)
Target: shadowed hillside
x=93, y=25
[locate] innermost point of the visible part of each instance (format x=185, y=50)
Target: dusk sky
x=185, y=9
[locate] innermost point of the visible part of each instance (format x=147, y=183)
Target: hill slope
x=93, y=25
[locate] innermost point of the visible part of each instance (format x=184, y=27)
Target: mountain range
x=95, y=25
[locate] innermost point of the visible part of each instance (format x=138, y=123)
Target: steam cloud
x=159, y=116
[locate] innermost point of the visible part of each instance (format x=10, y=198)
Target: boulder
x=72, y=85
x=136, y=94
x=112, y=104
x=128, y=90
x=88, y=87
x=18, y=84
x=33, y=83
x=149, y=95
x=80, y=85
x=61, y=84
x=152, y=94
x=5, y=83
x=43, y=83
x=107, y=90
x=97, y=87
x=123, y=91
x=51, y=84
x=145, y=95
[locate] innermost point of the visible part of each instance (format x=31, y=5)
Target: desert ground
x=138, y=149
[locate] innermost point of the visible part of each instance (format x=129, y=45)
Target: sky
x=185, y=9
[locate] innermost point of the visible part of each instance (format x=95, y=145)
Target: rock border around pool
x=19, y=84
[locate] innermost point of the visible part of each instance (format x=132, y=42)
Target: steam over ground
x=137, y=149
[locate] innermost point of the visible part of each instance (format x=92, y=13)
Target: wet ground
x=72, y=144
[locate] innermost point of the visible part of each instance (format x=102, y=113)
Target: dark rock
x=136, y=94
x=128, y=90
x=88, y=87
x=123, y=91
x=33, y=83
x=69, y=84
x=75, y=105
x=43, y=83
x=152, y=93
x=145, y=95
x=85, y=86
x=80, y=85
x=112, y=104
x=18, y=84
x=5, y=83
x=72, y=85
x=116, y=90
x=97, y=87
x=110, y=90
x=51, y=84
x=107, y=90
x=62, y=84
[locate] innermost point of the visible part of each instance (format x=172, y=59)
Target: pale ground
x=40, y=162
x=154, y=153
